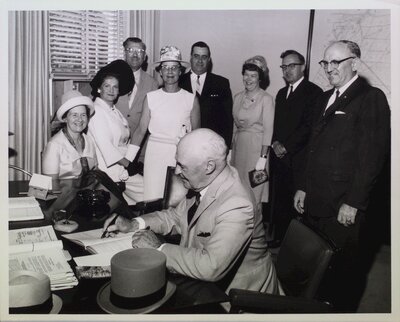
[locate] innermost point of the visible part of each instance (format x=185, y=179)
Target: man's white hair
x=207, y=144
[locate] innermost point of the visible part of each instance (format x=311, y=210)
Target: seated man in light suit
x=224, y=241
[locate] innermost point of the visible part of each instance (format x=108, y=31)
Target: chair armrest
x=257, y=302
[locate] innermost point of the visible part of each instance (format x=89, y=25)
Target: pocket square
x=202, y=234
x=339, y=112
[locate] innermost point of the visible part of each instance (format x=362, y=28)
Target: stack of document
x=24, y=208
x=38, y=249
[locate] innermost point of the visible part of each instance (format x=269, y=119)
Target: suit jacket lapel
x=211, y=194
x=206, y=85
x=346, y=97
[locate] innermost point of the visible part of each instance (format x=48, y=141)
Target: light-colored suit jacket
x=224, y=242
x=133, y=114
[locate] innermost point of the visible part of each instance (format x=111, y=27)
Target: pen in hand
x=112, y=222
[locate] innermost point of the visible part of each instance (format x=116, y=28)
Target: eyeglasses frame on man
x=334, y=63
x=137, y=51
x=290, y=66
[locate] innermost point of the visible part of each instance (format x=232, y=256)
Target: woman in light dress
x=168, y=113
x=70, y=152
x=253, y=113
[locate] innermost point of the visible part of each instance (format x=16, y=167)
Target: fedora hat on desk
x=29, y=293
x=138, y=282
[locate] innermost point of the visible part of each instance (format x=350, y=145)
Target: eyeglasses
x=136, y=51
x=172, y=68
x=334, y=63
x=290, y=66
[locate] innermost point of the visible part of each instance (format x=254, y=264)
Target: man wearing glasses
x=131, y=105
x=346, y=152
x=292, y=125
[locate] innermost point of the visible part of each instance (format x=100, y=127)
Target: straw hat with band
x=138, y=282
x=72, y=99
x=171, y=53
x=29, y=292
x=119, y=69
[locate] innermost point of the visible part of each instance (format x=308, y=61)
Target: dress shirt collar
x=137, y=76
x=294, y=85
x=203, y=192
x=193, y=77
x=347, y=85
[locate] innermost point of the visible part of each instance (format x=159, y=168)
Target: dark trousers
x=345, y=282
x=282, y=192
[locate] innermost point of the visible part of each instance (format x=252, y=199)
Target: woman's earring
x=98, y=90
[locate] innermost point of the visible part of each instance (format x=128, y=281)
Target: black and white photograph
x=232, y=161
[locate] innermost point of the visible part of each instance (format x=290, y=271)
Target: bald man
x=224, y=241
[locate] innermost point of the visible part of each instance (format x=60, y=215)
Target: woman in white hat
x=70, y=152
x=253, y=114
x=168, y=113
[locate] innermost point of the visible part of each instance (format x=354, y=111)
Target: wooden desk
x=191, y=296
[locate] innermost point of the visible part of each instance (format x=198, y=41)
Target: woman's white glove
x=260, y=165
x=131, y=152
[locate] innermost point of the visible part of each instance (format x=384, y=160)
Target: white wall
x=235, y=35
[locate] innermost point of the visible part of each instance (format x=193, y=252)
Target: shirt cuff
x=142, y=224
x=131, y=152
x=161, y=247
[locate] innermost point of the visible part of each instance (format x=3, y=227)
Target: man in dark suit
x=292, y=126
x=346, y=152
x=213, y=91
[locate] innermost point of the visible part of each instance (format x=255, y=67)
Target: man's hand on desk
x=145, y=238
x=121, y=224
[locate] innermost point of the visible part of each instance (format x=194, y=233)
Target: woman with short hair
x=70, y=152
x=168, y=113
x=253, y=114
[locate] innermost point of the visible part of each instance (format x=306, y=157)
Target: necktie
x=290, y=91
x=198, y=84
x=193, y=208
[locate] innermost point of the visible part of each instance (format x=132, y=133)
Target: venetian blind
x=81, y=42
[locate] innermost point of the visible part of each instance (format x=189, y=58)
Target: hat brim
x=73, y=102
x=119, y=69
x=103, y=300
x=57, y=304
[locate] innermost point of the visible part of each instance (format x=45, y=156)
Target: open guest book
x=38, y=249
x=92, y=242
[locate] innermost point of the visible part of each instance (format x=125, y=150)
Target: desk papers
x=38, y=249
x=24, y=208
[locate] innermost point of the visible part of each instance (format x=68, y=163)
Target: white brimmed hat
x=29, y=292
x=138, y=282
x=171, y=53
x=71, y=99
